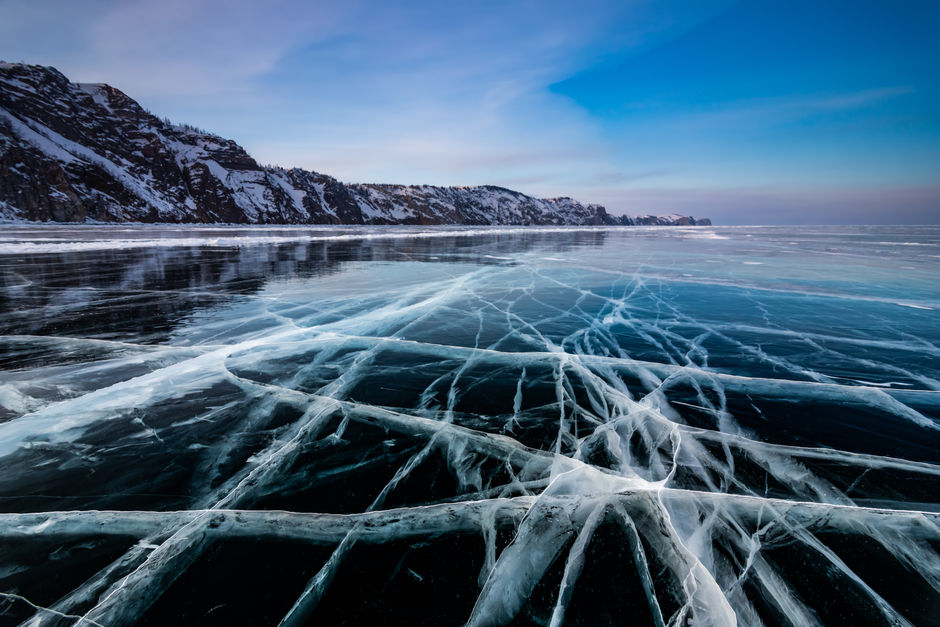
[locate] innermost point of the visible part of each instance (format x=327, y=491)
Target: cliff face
x=72, y=152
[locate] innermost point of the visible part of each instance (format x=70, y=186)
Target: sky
x=752, y=112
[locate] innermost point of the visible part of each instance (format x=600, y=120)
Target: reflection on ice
x=491, y=427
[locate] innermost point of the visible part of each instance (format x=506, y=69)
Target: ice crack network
x=483, y=429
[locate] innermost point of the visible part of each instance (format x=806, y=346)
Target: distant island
x=76, y=152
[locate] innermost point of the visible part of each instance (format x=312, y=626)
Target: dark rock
x=72, y=152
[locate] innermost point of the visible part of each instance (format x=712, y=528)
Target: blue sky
x=749, y=112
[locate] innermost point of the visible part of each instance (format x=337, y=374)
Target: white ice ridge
x=301, y=235
x=565, y=409
x=60, y=420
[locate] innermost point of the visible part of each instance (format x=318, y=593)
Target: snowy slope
x=73, y=152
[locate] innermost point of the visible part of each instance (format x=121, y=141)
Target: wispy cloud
x=172, y=48
x=461, y=93
x=427, y=91
x=763, y=112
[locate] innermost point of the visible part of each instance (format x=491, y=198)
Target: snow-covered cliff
x=72, y=152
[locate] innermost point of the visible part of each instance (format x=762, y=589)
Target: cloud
x=760, y=113
x=437, y=92
x=453, y=95
x=460, y=93
x=443, y=92
x=210, y=47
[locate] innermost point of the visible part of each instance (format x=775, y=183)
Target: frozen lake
x=493, y=426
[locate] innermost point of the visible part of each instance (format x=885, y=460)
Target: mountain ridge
x=76, y=152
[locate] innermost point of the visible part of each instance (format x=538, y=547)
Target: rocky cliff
x=71, y=152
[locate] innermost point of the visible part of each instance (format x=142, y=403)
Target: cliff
x=71, y=152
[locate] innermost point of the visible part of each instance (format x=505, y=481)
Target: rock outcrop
x=72, y=152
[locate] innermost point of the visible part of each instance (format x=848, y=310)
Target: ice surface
x=708, y=426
